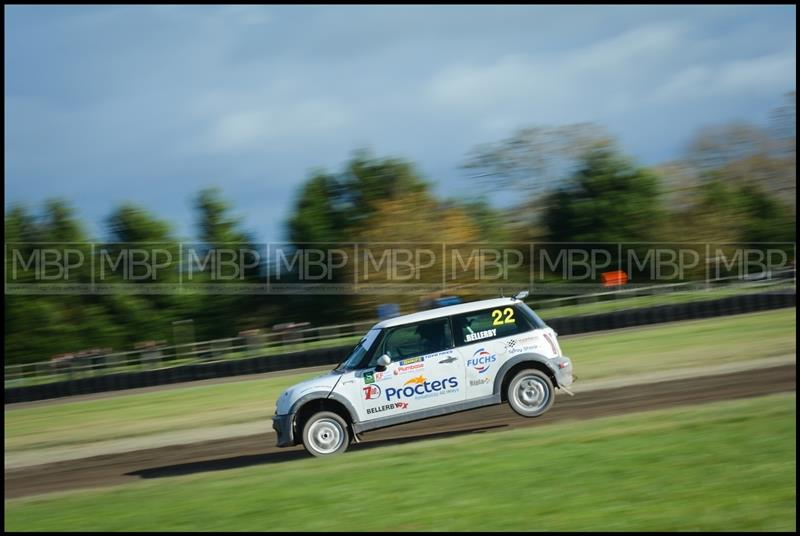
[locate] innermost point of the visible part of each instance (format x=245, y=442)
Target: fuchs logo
x=372, y=392
x=421, y=388
x=481, y=360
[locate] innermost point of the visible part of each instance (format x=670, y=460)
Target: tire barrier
x=744, y=303
x=179, y=374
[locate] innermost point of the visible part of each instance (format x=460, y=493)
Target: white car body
x=488, y=341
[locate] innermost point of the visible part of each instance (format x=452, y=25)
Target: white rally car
x=424, y=365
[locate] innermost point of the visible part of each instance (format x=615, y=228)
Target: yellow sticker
x=497, y=316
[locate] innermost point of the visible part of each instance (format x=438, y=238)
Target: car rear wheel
x=325, y=434
x=530, y=393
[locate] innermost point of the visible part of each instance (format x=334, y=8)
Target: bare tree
x=534, y=159
x=747, y=154
x=716, y=146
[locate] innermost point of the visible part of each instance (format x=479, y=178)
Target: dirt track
x=259, y=449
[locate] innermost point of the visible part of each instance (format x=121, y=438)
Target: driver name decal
x=481, y=335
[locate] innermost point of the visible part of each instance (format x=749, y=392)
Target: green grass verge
x=595, y=356
x=694, y=343
x=727, y=466
x=596, y=305
x=135, y=415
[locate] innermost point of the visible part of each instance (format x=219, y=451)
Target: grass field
x=595, y=356
x=727, y=466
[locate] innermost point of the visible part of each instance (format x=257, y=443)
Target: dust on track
x=114, y=469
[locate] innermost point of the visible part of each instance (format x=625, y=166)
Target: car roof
x=444, y=311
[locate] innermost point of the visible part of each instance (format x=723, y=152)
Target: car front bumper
x=282, y=424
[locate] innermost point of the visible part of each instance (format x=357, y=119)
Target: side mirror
x=384, y=360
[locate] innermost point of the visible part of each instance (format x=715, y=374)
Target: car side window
x=416, y=339
x=489, y=324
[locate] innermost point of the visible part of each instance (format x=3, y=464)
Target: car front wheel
x=325, y=434
x=530, y=393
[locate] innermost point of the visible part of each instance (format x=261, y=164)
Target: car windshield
x=357, y=355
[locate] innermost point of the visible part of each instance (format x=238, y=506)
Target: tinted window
x=489, y=324
x=534, y=319
x=417, y=339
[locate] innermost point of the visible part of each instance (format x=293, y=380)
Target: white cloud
x=604, y=77
x=650, y=42
x=771, y=74
x=774, y=72
x=609, y=77
x=245, y=129
x=684, y=83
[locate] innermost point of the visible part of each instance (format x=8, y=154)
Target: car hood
x=320, y=384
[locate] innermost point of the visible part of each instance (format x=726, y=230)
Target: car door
x=486, y=339
x=425, y=372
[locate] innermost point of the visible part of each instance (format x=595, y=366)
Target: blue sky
x=106, y=104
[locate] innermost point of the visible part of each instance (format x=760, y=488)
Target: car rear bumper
x=563, y=371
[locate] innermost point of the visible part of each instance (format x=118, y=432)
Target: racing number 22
x=497, y=316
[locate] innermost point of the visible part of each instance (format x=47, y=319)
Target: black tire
x=326, y=434
x=530, y=393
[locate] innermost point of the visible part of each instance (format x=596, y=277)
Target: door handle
x=448, y=360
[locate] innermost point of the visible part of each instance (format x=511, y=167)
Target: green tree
x=148, y=316
x=40, y=326
x=609, y=199
x=316, y=217
x=132, y=224
x=225, y=314
x=370, y=200
x=488, y=220
x=216, y=225
x=330, y=207
x=768, y=219
x=726, y=211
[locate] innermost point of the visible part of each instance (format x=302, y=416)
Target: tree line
x=734, y=183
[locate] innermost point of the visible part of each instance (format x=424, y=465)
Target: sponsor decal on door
x=481, y=360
